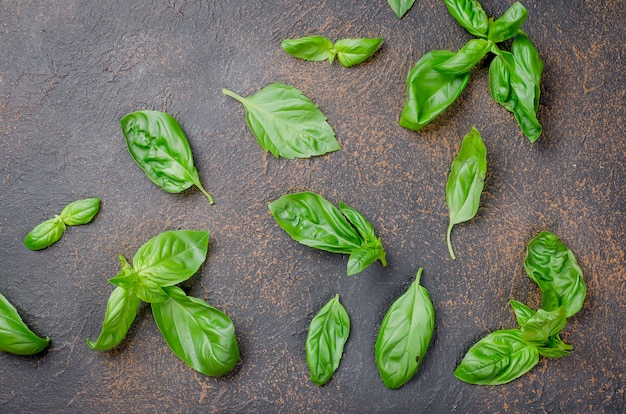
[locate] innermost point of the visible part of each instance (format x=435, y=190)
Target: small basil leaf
x=465, y=182
x=555, y=348
x=121, y=312
x=522, y=312
x=363, y=257
x=466, y=58
x=80, y=212
x=159, y=146
x=45, y=234
x=313, y=48
x=404, y=335
x=500, y=77
x=400, y=7
x=507, y=25
x=359, y=222
x=539, y=328
x=15, y=337
x=470, y=14
x=554, y=268
x=351, y=52
x=430, y=92
x=199, y=334
x=498, y=358
x=127, y=277
x=327, y=335
x=286, y=123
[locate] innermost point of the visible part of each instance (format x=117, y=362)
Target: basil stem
x=15, y=337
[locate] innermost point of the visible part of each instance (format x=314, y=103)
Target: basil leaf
x=199, y=334
x=351, y=52
x=286, y=123
x=159, y=146
x=555, y=348
x=327, y=335
x=45, y=234
x=400, y=7
x=404, y=335
x=539, y=328
x=507, y=25
x=80, y=212
x=466, y=58
x=500, y=77
x=554, y=268
x=121, y=312
x=498, y=358
x=430, y=92
x=15, y=337
x=465, y=182
x=313, y=48
x=522, y=312
x=361, y=258
x=470, y=14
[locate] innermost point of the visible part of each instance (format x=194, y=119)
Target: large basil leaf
x=507, y=25
x=404, y=335
x=351, y=52
x=45, y=234
x=313, y=48
x=498, y=358
x=327, y=335
x=470, y=14
x=286, y=123
x=15, y=337
x=430, y=92
x=466, y=58
x=80, y=212
x=199, y=334
x=465, y=182
x=121, y=312
x=400, y=7
x=543, y=325
x=159, y=146
x=554, y=268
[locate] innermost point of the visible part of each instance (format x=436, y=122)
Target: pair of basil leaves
x=439, y=77
x=402, y=341
x=505, y=355
x=199, y=334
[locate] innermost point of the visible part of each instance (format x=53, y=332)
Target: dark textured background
x=69, y=70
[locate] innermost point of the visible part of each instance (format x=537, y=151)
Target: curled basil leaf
x=543, y=325
x=327, y=335
x=430, y=92
x=286, y=123
x=498, y=358
x=199, y=334
x=466, y=58
x=160, y=148
x=554, y=268
x=313, y=48
x=507, y=25
x=404, y=335
x=80, y=212
x=120, y=314
x=400, y=7
x=470, y=14
x=351, y=52
x=465, y=182
x=15, y=337
x=45, y=234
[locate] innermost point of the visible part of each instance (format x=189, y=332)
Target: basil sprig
x=286, y=123
x=50, y=231
x=349, y=52
x=400, y=7
x=505, y=355
x=326, y=337
x=465, y=182
x=160, y=148
x=15, y=337
x=313, y=221
x=404, y=335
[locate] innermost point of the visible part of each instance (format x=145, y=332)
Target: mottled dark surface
x=69, y=70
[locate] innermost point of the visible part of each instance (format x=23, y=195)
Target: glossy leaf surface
x=80, y=211
x=470, y=14
x=466, y=58
x=351, y=52
x=507, y=25
x=120, y=314
x=522, y=312
x=199, y=334
x=400, y=7
x=404, y=335
x=159, y=146
x=286, y=123
x=327, y=335
x=45, y=234
x=543, y=325
x=313, y=48
x=15, y=337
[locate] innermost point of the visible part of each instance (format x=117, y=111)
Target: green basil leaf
x=430, y=92
x=361, y=258
x=351, y=52
x=286, y=123
x=554, y=268
x=81, y=211
x=465, y=182
x=313, y=48
x=522, y=312
x=15, y=337
x=507, y=25
x=498, y=358
x=404, y=335
x=528, y=60
x=360, y=223
x=199, y=334
x=500, y=77
x=466, y=58
x=327, y=335
x=400, y=7
x=555, y=348
x=470, y=14
x=539, y=328
x=144, y=288
x=159, y=146
x=121, y=312
x=45, y=234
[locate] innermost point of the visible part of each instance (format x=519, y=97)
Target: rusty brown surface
x=70, y=70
